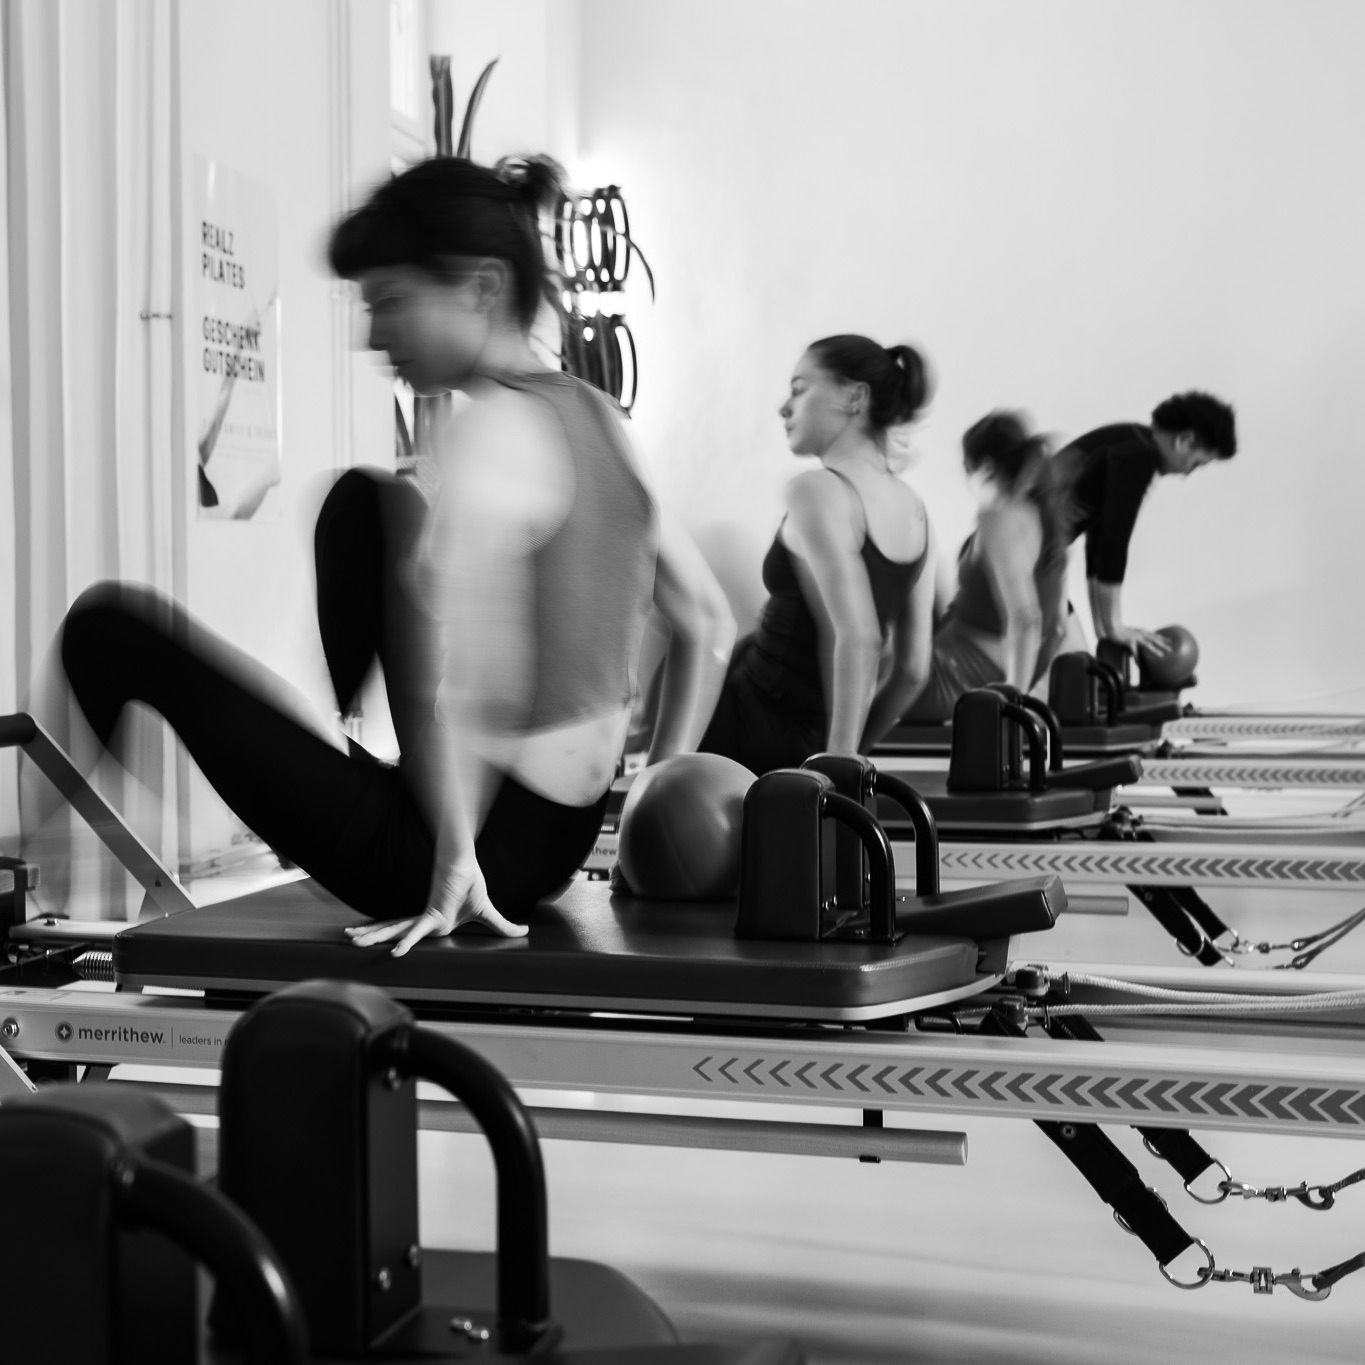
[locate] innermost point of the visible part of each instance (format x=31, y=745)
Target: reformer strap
x=1325, y=1279
x=1173, y=1145
x=1110, y=1174
x=1166, y=907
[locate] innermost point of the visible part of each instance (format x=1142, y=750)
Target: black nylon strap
x=1116, y=1180
x=1179, y=1151
x=1166, y=909
x=1173, y=1145
x=1110, y=1174
x=1199, y=910
x=1325, y=1279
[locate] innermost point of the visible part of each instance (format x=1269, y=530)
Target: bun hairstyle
x=449, y=207
x=897, y=377
x=1002, y=446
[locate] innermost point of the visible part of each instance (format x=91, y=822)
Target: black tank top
x=783, y=659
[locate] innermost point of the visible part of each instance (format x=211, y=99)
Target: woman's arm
x=701, y=634
x=1010, y=539
x=1054, y=620
x=829, y=567
x=912, y=653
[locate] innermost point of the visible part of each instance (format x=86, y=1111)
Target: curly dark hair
x=449, y=207
x=1210, y=419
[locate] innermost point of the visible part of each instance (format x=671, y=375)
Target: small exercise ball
x=680, y=828
x=1176, y=667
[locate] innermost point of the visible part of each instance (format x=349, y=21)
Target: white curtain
x=86, y=450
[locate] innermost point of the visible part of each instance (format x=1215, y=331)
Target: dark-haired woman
x=524, y=602
x=1008, y=616
x=842, y=644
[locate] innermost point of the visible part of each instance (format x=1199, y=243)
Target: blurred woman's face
x=817, y=408
x=433, y=331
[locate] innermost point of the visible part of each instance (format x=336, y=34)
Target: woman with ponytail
x=1008, y=616
x=843, y=643
x=507, y=617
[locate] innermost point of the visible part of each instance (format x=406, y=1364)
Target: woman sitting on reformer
x=1008, y=615
x=525, y=599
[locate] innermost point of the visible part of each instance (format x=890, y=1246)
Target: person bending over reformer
x=1103, y=477
x=842, y=644
x=509, y=638
x=1008, y=615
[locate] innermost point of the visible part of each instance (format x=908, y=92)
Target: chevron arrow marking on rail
x=776, y=1074
x=963, y=1084
x=989, y=1084
x=725, y=1070
x=801, y=1076
x=1336, y=1106
x=1157, y=1096
x=1075, y=1084
x=933, y=1082
x=1244, y=1101
x=1128, y=1092
x=1302, y=1104
x=1044, y=1087
x=1101, y=1091
x=852, y=1077
x=881, y=1076
x=1185, y=1097
x=1017, y=1087
x=751, y=1068
x=700, y=1069
x=827, y=1075
x=907, y=1080
x=1274, y=1102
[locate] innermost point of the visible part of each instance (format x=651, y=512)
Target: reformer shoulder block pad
x=1101, y=775
x=1023, y=906
x=987, y=811
x=925, y=739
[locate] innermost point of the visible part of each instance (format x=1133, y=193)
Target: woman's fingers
x=430, y=923
x=498, y=923
x=366, y=935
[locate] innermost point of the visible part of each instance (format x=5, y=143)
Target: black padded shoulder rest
x=1152, y=713
x=985, y=912
x=1101, y=775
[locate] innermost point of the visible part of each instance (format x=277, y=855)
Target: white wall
x=531, y=101
x=1076, y=208
x=295, y=96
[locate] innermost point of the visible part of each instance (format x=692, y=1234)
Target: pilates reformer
x=1099, y=715
x=880, y=1002
x=1008, y=805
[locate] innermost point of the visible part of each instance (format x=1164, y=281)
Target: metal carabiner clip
x=1293, y=1282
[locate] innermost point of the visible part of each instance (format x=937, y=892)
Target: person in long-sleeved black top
x=1103, y=477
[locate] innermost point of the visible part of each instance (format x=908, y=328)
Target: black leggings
x=351, y=822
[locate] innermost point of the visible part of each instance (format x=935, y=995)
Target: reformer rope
x=1195, y=1002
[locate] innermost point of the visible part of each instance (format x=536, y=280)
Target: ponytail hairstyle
x=1002, y=446
x=449, y=207
x=897, y=377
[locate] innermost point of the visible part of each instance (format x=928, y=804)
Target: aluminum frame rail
x=1255, y=865
x=1285, y=1083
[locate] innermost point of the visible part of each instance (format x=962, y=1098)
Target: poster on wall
x=234, y=345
